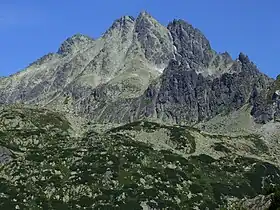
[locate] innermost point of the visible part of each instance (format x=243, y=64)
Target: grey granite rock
x=191, y=45
x=142, y=69
x=266, y=103
x=74, y=43
x=5, y=155
x=260, y=202
x=185, y=96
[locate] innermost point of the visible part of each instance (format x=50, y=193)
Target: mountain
x=144, y=117
x=140, y=69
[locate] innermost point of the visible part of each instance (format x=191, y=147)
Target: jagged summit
x=144, y=13
x=179, y=23
x=109, y=79
x=73, y=43
x=123, y=22
x=243, y=58
x=186, y=31
x=145, y=19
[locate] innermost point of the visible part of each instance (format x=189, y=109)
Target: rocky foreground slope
x=136, y=166
x=144, y=117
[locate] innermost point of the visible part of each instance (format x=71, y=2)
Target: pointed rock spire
x=144, y=19
x=180, y=29
x=192, y=47
x=123, y=25
x=243, y=58
x=124, y=21
x=247, y=65
x=154, y=39
x=144, y=13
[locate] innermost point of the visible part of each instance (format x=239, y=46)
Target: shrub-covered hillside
x=134, y=166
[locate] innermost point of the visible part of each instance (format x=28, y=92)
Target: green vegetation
x=273, y=190
x=220, y=147
x=52, y=170
x=27, y=118
x=275, y=205
x=179, y=135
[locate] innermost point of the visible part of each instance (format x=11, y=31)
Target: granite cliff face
x=186, y=95
x=266, y=103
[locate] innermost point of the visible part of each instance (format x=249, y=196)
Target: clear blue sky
x=31, y=28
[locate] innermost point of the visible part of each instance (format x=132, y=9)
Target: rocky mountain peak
x=121, y=29
x=74, y=43
x=243, y=58
x=144, y=19
x=183, y=30
x=144, y=13
x=133, y=54
x=123, y=22
x=247, y=64
x=226, y=55
x=154, y=39
x=191, y=46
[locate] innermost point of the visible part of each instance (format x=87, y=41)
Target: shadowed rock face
x=186, y=95
x=266, y=103
x=182, y=95
x=155, y=39
x=191, y=45
x=142, y=69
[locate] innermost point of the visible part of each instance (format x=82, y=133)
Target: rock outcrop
x=266, y=103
